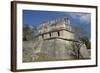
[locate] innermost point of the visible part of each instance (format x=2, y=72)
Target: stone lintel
x=56, y=31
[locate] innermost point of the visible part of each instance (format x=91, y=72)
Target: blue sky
x=33, y=17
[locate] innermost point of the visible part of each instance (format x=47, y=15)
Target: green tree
x=82, y=35
x=28, y=32
x=86, y=41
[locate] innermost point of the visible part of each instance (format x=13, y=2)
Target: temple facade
x=58, y=28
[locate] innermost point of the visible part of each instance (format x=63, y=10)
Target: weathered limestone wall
x=67, y=35
x=55, y=48
x=54, y=34
x=46, y=36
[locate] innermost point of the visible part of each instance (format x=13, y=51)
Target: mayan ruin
x=55, y=40
x=59, y=28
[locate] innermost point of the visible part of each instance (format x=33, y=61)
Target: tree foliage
x=28, y=32
x=82, y=35
x=86, y=41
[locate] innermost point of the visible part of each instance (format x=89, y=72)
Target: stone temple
x=56, y=29
x=56, y=41
x=56, y=37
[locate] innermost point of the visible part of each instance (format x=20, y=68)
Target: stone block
x=54, y=34
x=46, y=36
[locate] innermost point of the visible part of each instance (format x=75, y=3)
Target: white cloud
x=82, y=17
